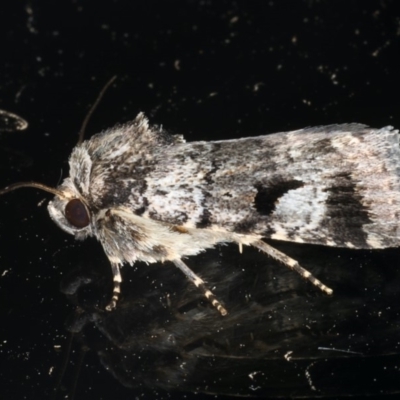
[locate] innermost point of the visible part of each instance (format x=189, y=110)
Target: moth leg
x=117, y=279
x=200, y=284
x=292, y=264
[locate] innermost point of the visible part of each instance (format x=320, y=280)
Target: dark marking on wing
x=245, y=226
x=346, y=215
x=205, y=219
x=209, y=177
x=320, y=148
x=113, y=195
x=268, y=194
x=141, y=210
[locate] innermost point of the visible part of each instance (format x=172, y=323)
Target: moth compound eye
x=76, y=214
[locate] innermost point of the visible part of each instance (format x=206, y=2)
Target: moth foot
x=292, y=264
x=198, y=282
x=111, y=305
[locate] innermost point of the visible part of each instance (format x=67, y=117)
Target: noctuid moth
x=150, y=196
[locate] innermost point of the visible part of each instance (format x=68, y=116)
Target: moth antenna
x=49, y=189
x=292, y=264
x=64, y=364
x=35, y=185
x=78, y=368
x=201, y=285
x=93, y=108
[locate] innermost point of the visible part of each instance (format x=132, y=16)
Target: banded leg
x=117, y=279
x=292, y=264
x=198, y=282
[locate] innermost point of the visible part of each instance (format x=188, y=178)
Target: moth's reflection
x=281, y=337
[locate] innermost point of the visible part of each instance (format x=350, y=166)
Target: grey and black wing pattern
x=335, y=185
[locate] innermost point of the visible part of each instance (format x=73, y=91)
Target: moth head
x=68, y=209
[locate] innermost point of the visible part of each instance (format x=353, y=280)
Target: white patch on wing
x=300, y=211
x=374, y=241
x=331, y=243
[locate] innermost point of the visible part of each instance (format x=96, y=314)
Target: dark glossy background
x=208, y=70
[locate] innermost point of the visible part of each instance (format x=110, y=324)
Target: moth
x=150, y=196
